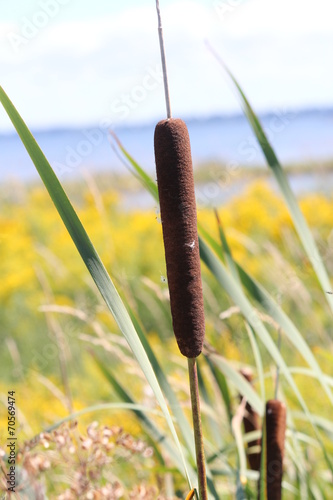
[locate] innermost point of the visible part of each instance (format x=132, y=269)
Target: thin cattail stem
x=163, y=59
x=199, y=448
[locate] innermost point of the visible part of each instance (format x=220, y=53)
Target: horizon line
x=195, y=118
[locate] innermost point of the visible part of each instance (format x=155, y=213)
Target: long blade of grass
x=146, y=180
x=151, y=428
x=226, y=248
x=301, y=370
x=257, y=357
x=299, y=221
x=321, y=422
x=232, y=266
x=237, y=379
x=103, y=407
x=215, y=430
x=260, y=294
x=166, y=387
x=236, y=293
x=91, y=259
x=240, y=479
x=237, y=432
x=173, y=401
x=212, y=242
x=222, y=384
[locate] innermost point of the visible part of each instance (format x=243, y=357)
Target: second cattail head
x=179, y=224
x=275, y=419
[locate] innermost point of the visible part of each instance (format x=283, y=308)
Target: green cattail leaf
x=223, y=387
x=298, y=454
x=204, y=394
x=270, y=306
x=226, y=249
x=241, y=384
x=260, y=294
x=166, y=387
x=323, y=423
x=139, y=172
x=232, y=266
x=233, y=289
x=156, y=435
x=300, y=370
x=240, y=492
x=103, y=407
x=212, y=242
x=153, y=432
x=299, y=221
x=91, y=259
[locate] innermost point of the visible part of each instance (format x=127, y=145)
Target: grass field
x=52, y=319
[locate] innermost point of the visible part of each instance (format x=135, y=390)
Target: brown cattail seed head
x=179, y=224
x=275, y=437
x=251, y=423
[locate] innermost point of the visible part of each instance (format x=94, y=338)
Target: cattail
x=251, y=423
x=179, y=224
x=275, y=437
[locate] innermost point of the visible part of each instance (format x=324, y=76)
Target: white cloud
x=72, y=71
x=279, y=18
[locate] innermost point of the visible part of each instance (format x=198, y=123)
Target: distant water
x=298, y=137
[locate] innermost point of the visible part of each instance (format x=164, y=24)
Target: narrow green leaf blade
x=260, y=294
x=90, y=258
x=299, y=221
x=102, y=407
x=223, y=387
x=242, y=385
x=146, y=180
x=236, y=293
x=166, y=387
x=232, y=266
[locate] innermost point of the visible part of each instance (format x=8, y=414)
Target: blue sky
x=77, y=62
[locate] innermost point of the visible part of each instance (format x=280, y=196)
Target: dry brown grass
x=66, y=464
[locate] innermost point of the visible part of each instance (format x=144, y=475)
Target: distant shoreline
x=299, y=139
x=190, y=120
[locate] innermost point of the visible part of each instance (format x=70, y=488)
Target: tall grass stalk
x=198, y=437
